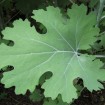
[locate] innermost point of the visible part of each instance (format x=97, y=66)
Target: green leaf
x=50, y=102
x=93, y=3
x=102, y=38
x=56, y=51
x=98, y=46
x=58, y=101
x=102, y=21
x=36, y=96
x=3, y=96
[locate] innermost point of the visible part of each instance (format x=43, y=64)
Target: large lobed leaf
x=57, y=51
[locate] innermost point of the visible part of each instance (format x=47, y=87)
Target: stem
x=100, y=56
x=56, y=2
x=101, y=6
x=102, y=33
x=12, y=18
x=102, y=17
x=71, y=1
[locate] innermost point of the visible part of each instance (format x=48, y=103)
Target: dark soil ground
x=11, y=99
x=86, y=98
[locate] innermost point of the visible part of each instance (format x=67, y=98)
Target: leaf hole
x=7, y=42
x=44, y=77
x=40, y=28
x=98, y=41
x=79, y=85
x=78, y=81
x=7, y=68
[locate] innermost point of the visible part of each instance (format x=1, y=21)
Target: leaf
x=57, y=51
x=102, y=38
x=58, y=101
x=102, y=21
x=36, y=96
x=93, y=3
x=3, y=95
x=50, y=102
x=100, y=45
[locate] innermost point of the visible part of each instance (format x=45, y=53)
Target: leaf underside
x=56, y=51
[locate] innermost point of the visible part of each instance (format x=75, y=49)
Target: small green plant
x=3, y=95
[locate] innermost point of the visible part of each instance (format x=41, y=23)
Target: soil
x=86, y=98
x=12, y=99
